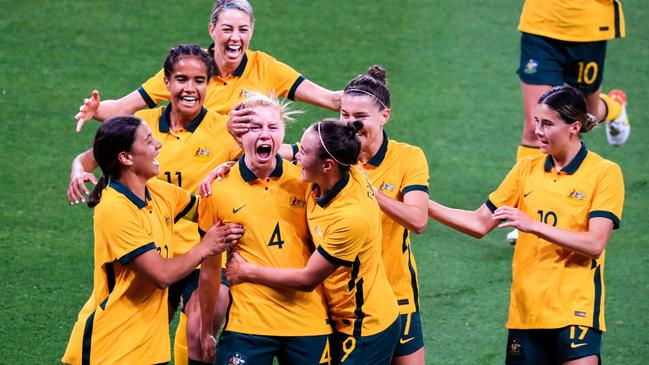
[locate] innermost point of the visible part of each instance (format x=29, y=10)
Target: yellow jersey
x=552, y=286
x=396, y=169
x=272, y=211
x=125, y=320
x=345, y=226
x=188, y=155
x=257, y=72
x=573, y=20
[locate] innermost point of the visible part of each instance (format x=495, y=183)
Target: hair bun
x=378, y=73
x=356, y=125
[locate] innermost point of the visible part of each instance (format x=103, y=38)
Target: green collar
x=572, y=167
x=248, y=175
x=129, y=194
x=165, y=120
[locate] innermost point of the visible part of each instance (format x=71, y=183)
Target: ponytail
x=339, y=141
x=95, y=195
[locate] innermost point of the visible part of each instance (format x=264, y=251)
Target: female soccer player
x=125, y=319
x=344, y=222
x=266, y=195
x=238, y=71
x=195, y=141
x=399, y=174
x=565, y=203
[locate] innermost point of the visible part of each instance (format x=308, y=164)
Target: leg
x=578, y=345
x=531, y=95
x=180, y=341
x=410, y=349
x=588, y=360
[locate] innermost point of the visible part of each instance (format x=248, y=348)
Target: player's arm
x=208, y=289
x=411, y=213
x=80, y=173
x=164, y=272
x=94, y=108
x=475, y=223
x=312, y=93
x=307, y=278
x=590, y=243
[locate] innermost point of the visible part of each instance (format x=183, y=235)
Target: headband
x=325, y=147
x=366, y=93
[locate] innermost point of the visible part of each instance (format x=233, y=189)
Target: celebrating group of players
x=302, y=252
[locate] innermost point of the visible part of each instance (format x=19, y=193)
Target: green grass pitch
x=455, y=94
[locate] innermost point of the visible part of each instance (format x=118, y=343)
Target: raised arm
x=80, y=173
x=411, y=213
x=307, y=278
x=93, y=107
x=312, y=93
x=475, y=223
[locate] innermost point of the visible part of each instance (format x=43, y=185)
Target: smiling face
x=187, y=85
x=264, y=137
x=553, y=133
x=365, y=109
x=231, y=35
x=141, y=158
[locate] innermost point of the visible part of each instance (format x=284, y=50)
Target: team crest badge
x=515, y=348
x=168, y=220
x=297, y=202
x=202, y=154
x=244, y=94
x=574, y=194
x=386, y=187
x=237, y=359
x=530, y=67
x=318, y=231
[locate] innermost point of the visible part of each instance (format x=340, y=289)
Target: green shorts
x=412, y=337
x=552, y=346
x=243, y=349
x=547, y=61
x=377, y=349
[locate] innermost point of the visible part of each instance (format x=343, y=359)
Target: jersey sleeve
x=344, y=240
x=282, y=78
x=126, y=237
x=608, y=198
x=154, y=90
x=416, y=172
x=207, y=214
x=508, y=192
x=183, y=203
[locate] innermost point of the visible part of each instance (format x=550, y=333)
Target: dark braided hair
x=187, y=50
x=114, y=136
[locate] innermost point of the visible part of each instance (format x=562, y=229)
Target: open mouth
x=264, y=151
x=188, y=100
x=233, y=50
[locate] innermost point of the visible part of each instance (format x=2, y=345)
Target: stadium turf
x=454, y=93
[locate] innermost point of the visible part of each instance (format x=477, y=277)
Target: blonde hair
x=286, y=113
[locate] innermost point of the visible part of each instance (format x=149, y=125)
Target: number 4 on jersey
x=276, y=238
